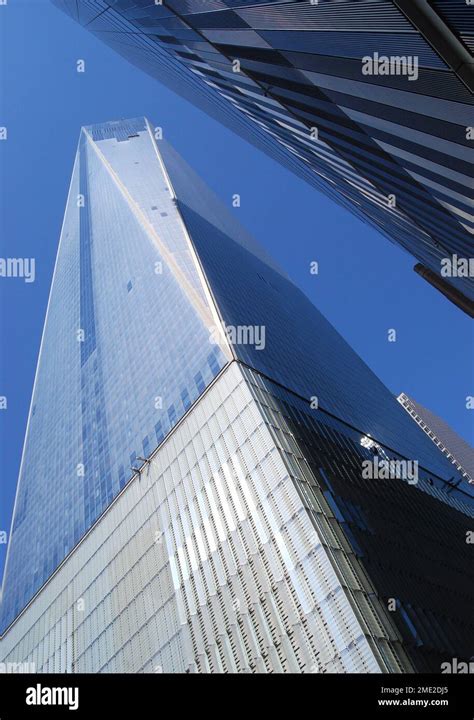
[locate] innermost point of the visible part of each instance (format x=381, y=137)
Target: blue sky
x=365, y=284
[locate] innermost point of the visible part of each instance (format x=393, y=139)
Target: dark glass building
x=212, y=480
x=369, y=101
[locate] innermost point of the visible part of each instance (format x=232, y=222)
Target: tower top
x=121, y=129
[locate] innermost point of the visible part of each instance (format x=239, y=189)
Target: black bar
x=317, y=695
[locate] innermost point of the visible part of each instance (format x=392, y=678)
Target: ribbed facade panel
x=207, y=562
x=243, y=547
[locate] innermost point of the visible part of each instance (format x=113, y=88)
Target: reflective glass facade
x=288, y=76
x=302, y=350
x=248, y=540
x=125, y=279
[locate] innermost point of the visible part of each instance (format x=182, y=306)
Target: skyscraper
x=371, y=102
x=212, y=480
x=459, y=452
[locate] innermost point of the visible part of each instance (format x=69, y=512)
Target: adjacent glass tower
x=371, y=102
x=193, y=492
x=459, y=452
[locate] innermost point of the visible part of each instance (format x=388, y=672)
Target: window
x=185, y=399
x=159, y=432
x=198, y=379
x=172, y=415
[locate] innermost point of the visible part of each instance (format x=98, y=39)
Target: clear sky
x=365, y=285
